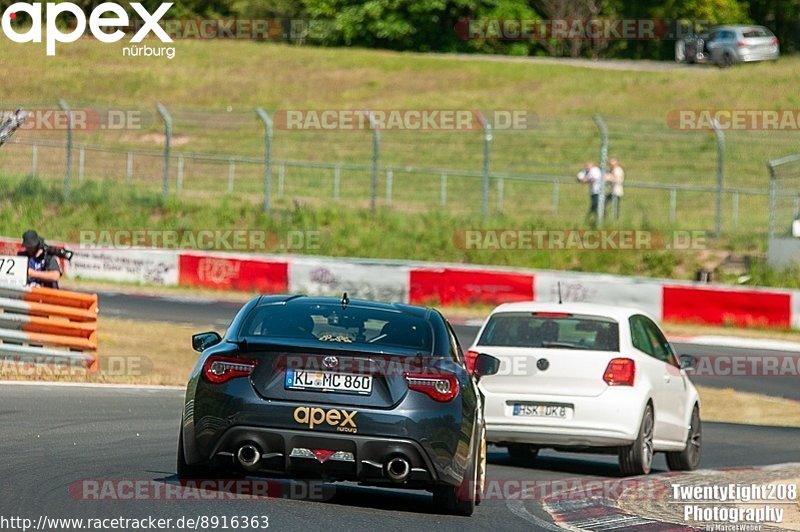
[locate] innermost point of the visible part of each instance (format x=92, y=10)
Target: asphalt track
x=217, y=314
x=54, y=437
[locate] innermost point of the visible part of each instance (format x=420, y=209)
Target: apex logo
x=343, y=420
x=100, y=23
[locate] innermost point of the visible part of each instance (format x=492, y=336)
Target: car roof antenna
x=345, y=300
x=559, y=293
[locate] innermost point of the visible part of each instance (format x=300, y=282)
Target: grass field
x=213, y=86
x=342, y=231
x=561, y=99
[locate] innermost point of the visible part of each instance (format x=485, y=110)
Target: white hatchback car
x=592, y=378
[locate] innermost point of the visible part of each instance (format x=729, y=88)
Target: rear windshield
x=756, y=32
x=352, y=327
x=551, y=330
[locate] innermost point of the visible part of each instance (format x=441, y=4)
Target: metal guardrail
x=44, y=323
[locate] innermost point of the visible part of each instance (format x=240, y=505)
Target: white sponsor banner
x=602, y=289
x=382, y=282
x=130, y=265
x=795, y=309
x=13, y=270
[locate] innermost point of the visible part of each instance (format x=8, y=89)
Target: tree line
x=440, y=25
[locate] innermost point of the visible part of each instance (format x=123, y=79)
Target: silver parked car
x=727, y=45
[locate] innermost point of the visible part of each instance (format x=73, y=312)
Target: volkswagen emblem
x=330, y=362
x=542, y=364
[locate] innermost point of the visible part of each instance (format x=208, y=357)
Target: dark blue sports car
x=338, y=389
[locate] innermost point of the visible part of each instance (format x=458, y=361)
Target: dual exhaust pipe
x=248, y=456
x=397, y=468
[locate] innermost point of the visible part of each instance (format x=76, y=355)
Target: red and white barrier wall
x=436, y=284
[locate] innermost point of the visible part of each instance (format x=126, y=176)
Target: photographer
x=43, y=268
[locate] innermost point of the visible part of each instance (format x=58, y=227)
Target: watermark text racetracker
x=82, y=119
x=203, y=239
x=48, y=366
x=592, y=28
x=734, y=119
x=404, y=119
x=578, y=239
x=201, y=490
x=758, y=365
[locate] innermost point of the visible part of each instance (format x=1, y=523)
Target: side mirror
x=688, y=362
x=485, y=365
x=202, y=341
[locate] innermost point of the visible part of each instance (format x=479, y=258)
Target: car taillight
x=439, y=387
x=469, y=360
x=222, y=369
x=620, y=372
x=775, y=41
x=741, y=44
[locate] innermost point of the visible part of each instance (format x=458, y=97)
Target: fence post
x=487, y=151
x=375, y=154
x=179, y=183
x=267, y=156
x=34, y=160
x=167, y=140
x=720, y=172
x=281, y=175
x=673, y=205
x=601, y=200
x=68, y=170
x=556, y=192
x=735, y=209
x=337, y=181
x=231, y=174
x=773, y=197
x=81, y=163
x=500, y=194
x=443, y=191
x=389, y=184
x=129, y=167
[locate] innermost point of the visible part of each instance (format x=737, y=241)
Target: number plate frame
x=315, y=381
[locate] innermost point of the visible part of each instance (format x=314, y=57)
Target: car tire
x=481, y=469
x=522, y=451
x=637, y=459
x=726, y=61
x=191, y=471
x=689, y=458
x=462, y=498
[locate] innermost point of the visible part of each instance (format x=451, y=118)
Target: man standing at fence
x=615, y=176
x=43, y=268
x=592, y=175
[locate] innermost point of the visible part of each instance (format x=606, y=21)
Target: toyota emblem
x=330, y=362
x=542, y=364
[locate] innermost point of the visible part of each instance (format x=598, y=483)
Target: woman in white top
x=615, y=176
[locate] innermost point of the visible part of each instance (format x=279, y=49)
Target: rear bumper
x=610, y=419
x=365, y=460
x=434, y=437
x=748, y=57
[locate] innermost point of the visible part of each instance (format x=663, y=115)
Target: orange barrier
x=32, y=318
